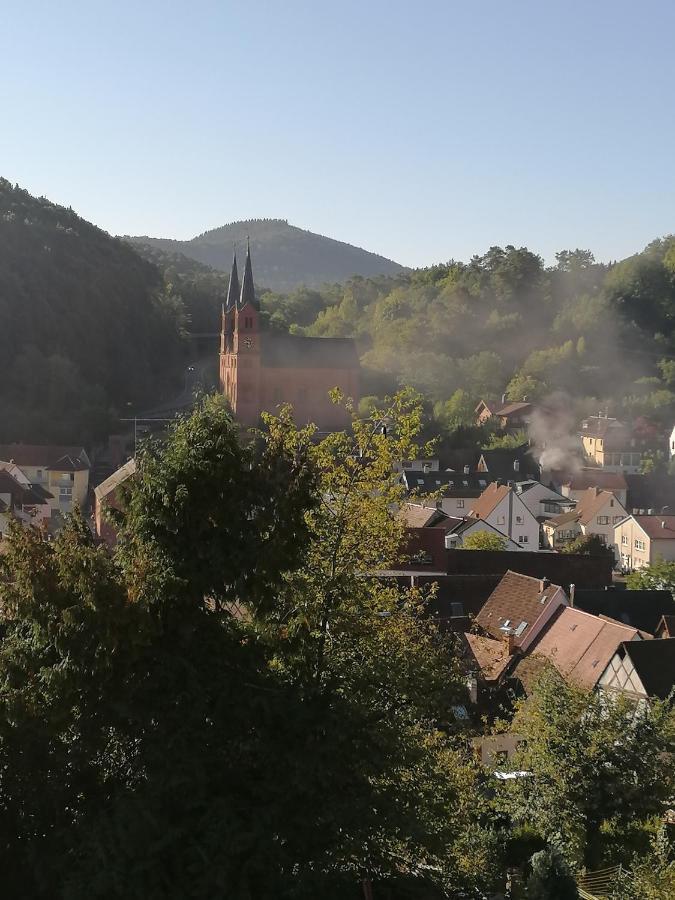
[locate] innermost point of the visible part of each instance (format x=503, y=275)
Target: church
x=262, y=369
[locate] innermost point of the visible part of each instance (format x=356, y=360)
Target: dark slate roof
x=654, y=662
x=21, y=494
x=451, y=484
x=247, y=289
x=640, y=609
x=233, y=288
x=280, y=351
x=500, y=460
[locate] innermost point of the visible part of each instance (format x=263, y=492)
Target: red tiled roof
x=609, y=481
x=657, y=528
x=45, y=455
x=491, y=656
x=491, y=496
x=580, y=645
x=511, y=409
x=518, y=600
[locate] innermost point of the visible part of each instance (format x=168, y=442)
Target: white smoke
x=553, y=434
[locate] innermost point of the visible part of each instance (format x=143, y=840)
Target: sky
x=424, y=131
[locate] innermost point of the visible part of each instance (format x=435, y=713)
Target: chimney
x=545, y=582
x=572, y=590
x=466, y=470
x=516, y=465
x=426, y=468
x=663, y=523
x=503, y=399
x=510, y=641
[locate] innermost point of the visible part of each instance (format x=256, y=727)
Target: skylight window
x=521, y=628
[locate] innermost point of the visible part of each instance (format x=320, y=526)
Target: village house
x=574, y=485
x=455, y=491
x=456, y=529
x=63, y=472
x=519, y=609
x=542, y=501
x=510, y=416
x=22, y=502
x=579, y=645
x=642, y=540
x=666, y=626
x=596, y=513
x=503, y=508
x=106, y=496
x=509, y=463
x=612, y=445
x=641, y=669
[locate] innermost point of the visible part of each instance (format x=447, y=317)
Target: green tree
x=589, y=545
x=659, y=576
x=231, y=704
x=653, y=874
x=551, y=877
x=597, y=770
x=484, y=540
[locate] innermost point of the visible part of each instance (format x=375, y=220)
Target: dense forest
x=501, y=323
x=88, y=326
x=285, y=256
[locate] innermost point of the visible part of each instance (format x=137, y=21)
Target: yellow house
x=63, y=471
x=609, y=444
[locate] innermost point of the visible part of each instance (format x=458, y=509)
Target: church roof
x=233, y=286
x=279, y=351
x=247, y=289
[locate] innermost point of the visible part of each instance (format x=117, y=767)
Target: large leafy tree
x=596, y=767
x=233, y=705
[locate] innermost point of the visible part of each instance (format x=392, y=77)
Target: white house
x=644, y=539
x=503, y=508
x=542, y=501
x=596, y=513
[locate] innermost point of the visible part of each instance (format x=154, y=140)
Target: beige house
x=611, y=445
x=502, y=507
x=642, y=540
x=597, y=512
x=62, y=471
x=641, y=669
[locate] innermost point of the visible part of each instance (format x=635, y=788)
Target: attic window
x=482, y=482
x=420, y=481
x=506, y=623
x=521, y=628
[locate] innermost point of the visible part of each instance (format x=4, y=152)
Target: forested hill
x=506, y=322
x=87, y=325
x=284, y=256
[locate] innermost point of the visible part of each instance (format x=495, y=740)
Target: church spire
x=247, y=289
x=233, y=286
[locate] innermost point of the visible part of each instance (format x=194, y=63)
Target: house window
x=500, y=520
x=523, y=539
x=611, y=503
x=460, y=504
x=519, y=520
x=617, y=519
x=603, y=520
x=407, y=465
x=639, y=545
x=65, y=494
x=602, y=538
x=624, y=539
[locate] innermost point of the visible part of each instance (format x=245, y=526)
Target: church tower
x=228, y=314
x=245, y=354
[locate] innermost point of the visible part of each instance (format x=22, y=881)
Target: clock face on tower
x=248, y=342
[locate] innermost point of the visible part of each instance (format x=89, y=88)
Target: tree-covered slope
x=285, y=257
x=87, y=326
x=504, y=322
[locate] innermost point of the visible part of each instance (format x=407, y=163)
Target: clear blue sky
x=420, y=130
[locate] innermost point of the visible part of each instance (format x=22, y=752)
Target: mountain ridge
x=285, y=256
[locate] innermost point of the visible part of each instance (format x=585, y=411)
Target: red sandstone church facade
x=260, y=370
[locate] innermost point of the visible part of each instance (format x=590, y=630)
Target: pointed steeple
x=247, y=289
x=233, y=286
